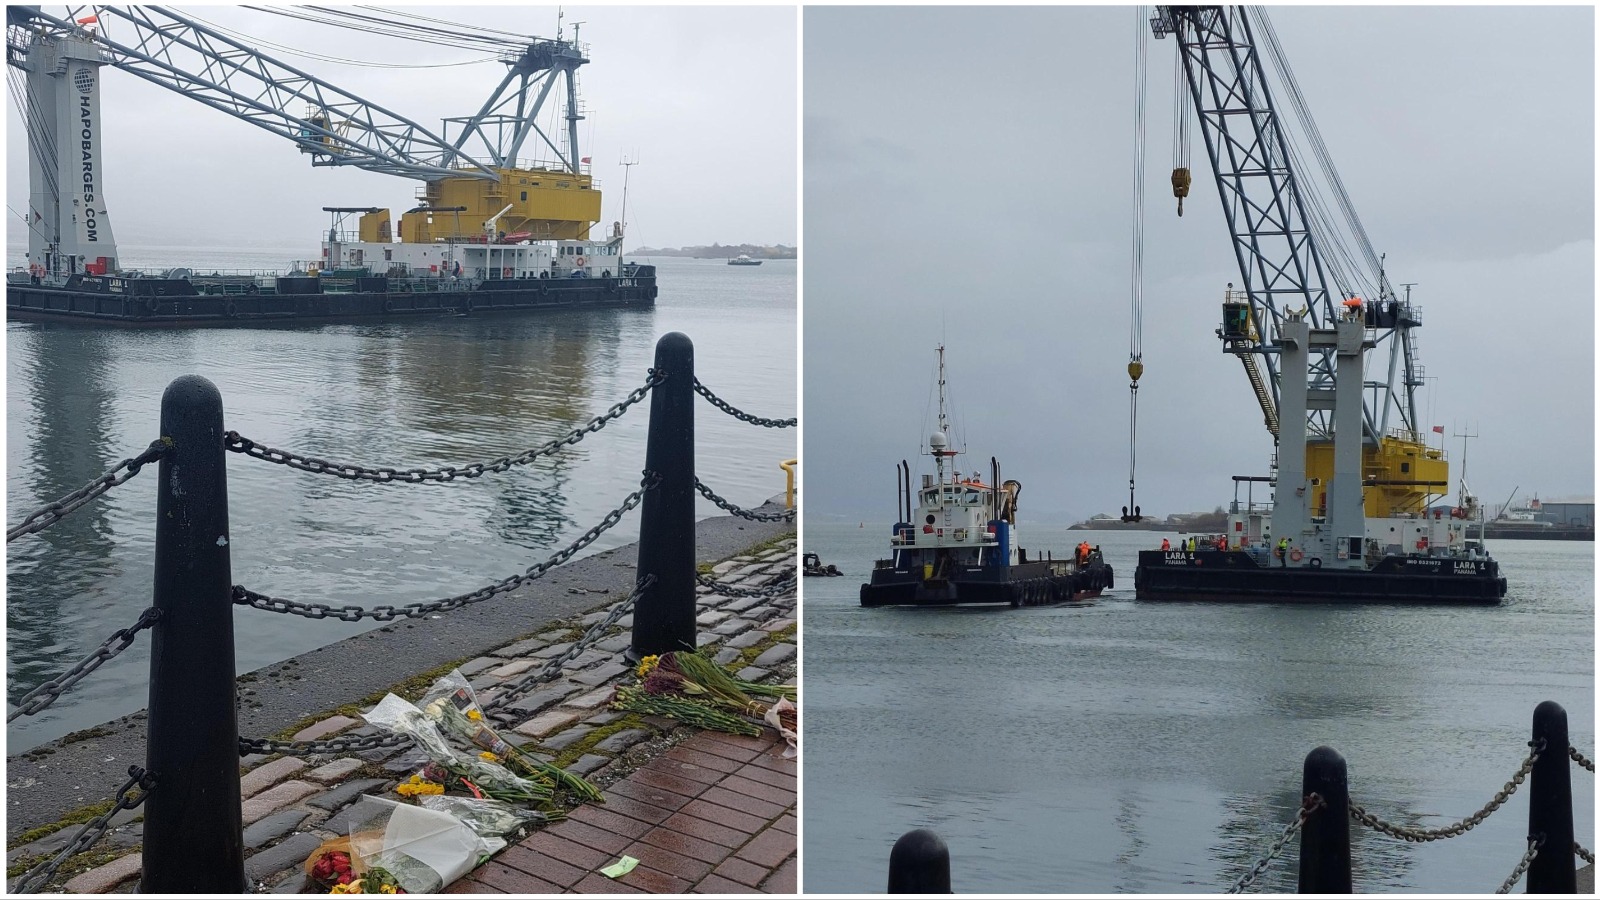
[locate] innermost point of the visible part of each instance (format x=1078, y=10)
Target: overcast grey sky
x=968, y=179
x=704, y=97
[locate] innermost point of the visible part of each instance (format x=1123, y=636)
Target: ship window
x=1405, y=467
x=524, y=196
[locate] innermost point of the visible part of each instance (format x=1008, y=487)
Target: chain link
x=728, y=590
x=552, y=670
x=40, y=698
x=723, y=405
x=91, y=831
x=376, y=742
x=1308, y=806
x=56, y=510
x=353, y=744
x=785, y=516
x=1527, y=860
x=385, y=613
x=1421, y=835
x=1580, y=759
x=236, y=443
x=1583, y=852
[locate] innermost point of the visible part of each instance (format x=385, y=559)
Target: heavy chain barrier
x=1522, y=867
x=91, y=831
x=728, y=590
x=55, y=511
x=552, y=669
x=351, y=744
x=742, y=416
x=40, y=698
x=1420, y=835
x=360, y=743
x=245, y=597
x=785, y=516
x=1580, y=759
x=236, y=443
x=1308, y=806
x=1583, y=852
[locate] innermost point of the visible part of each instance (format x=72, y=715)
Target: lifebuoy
x=1295, y=554
x=1422, y=543
x=1316, y=562
x=151, y=304
x=252, y=288
x=229, y=309
x=580, y=262
x=388, y=306
x=506, y=273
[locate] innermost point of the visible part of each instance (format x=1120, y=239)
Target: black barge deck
x=1236, y=576
x=185, y=302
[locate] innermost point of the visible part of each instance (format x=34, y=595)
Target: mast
x=939, y=441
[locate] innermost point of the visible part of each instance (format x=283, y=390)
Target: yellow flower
x=386, y=889
x=647, y=664
x=474, y=715
x=489, y=756
x=417, y=786
x=353, y=887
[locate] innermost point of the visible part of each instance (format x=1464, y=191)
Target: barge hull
x=890, y=587
x=1220, y=577
x=45, y=304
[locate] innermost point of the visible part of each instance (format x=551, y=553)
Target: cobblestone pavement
x=699, y=810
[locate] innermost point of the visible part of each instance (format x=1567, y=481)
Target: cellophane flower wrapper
x=784, y=717
x=424, y=849
x=397, y=715
x=490, y=818
x=453, y=706
x=455, y=690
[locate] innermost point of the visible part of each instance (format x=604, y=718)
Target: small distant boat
x=744, y=259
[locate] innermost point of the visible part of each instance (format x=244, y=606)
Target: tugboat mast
x=939, y=442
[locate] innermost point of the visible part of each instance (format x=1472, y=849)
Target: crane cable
x=1130, y=513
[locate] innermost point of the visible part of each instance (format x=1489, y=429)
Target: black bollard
x=919, y=864
x=663, y=618
x=1554, y=870
x=1325, y=839
x=193, y=842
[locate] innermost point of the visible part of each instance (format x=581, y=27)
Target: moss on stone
x=589, y=741
x=76, y=817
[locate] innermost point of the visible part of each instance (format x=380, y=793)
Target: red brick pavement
x=714, y=815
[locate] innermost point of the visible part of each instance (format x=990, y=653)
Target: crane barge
x=1334, y=374
x=491, y=232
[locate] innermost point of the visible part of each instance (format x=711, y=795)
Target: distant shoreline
x=719, y=251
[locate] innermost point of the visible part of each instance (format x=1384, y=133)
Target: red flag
x=88, y=20
x=1438, y=429
x=584, y=160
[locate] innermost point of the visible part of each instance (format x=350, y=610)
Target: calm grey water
x=1135, y=747
x=424, y=394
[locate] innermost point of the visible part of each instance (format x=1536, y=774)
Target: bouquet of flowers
x=401, y=848
x=485, y=777
x=688, y=687
x=453, y=706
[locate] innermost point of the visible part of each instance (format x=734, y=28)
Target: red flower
x=345, y=878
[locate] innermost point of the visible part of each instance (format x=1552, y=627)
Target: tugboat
x=961, y=545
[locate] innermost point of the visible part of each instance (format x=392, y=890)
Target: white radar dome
x=937, y=441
